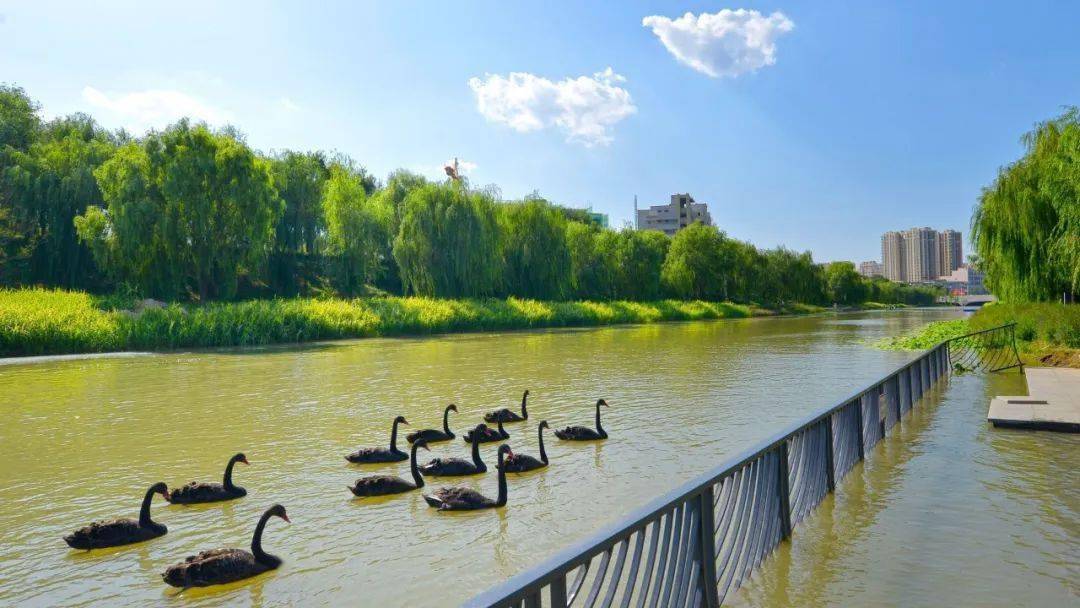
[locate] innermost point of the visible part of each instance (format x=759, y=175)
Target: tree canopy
x=1026, y=225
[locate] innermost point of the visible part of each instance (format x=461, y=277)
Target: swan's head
x=480, y=428
x=451, y=408
x=602, y=402
x=161, y=488
x=279, y=511
x=240, y=458
x=526, y=393
x=421, y=443
x=544, y=424
x=400, y=420
x=504, y=450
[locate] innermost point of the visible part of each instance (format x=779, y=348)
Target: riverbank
x=1046, y=333
x=54, y=322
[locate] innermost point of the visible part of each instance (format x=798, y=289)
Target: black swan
x=584, y=433
x=434, y=435
x=118, y=532
x=391, y=454
x=455, y=467
x=220, y=566
x=519, y=463
x=486, y=434
x=195, y=492
x=381, y=485
x=508, y=415
x=468, y=499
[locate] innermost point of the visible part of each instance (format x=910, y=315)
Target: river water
x=82, y=439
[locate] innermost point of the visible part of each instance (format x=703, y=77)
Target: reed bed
x=46, y=322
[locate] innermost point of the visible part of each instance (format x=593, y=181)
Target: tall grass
x=1038, y=326
x=40, y=321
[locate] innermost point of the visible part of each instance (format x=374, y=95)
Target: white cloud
x=585, y=108
x=139, y=111
x=288, y=104
x=728, y=43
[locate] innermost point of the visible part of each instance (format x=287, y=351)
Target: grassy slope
x=40, y=321
x=1046, y=333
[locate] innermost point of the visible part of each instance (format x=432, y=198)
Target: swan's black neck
x=599, y=429
x=446, y=423
x=144, y=512
x=256, y=543
x=502, y=432
x=227, y=481
x=524, y=398
x=476, y=449
x=540, y=435
x=418, y=479
x=501, y=500
x=393, y=436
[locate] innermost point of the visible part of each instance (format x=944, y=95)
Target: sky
x=814, y=125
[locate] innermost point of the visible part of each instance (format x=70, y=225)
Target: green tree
x=1026, y=225
x=638, y=260
x=698, y=264
x=534, y=250
x=357, y=229
x=188, y=210
x=299, y=178
x=447, y=244
x=844, y=284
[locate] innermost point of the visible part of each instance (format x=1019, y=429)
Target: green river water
x=946, y=511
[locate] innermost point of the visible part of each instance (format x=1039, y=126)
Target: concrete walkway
x=1053, y=403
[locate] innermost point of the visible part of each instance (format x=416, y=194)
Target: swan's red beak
x=165, y=494
x=244, y=460
x=286, y=518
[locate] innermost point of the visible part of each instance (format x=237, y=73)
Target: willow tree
x=357, y=229
x=532, y=236
x=187, y=212
x=299, y=178
x=698, y=264
x=447, y=244
x=1026, y=225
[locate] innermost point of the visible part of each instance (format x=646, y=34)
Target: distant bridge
x=973, y=300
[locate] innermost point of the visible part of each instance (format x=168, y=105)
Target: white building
x=674, y=216
x=871, y=269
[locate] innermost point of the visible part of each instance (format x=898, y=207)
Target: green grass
x=42, y=321
x=1042, y=329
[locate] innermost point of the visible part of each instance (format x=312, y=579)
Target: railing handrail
x=977, y=333
x=517, y=587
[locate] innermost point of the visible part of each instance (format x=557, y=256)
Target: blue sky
x=846, y=120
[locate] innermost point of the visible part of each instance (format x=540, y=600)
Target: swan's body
x=584, y=433
x=381, y=485
x=508, y=415
x=373, y=455
x=520, y=463
x=220, y=566
x=455, y=467
x=486, y=434
x=196, y=492
x=468, y=499
x=117, y=532
x=435, y=435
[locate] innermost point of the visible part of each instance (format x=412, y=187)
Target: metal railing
x=698, y=543
x=989, y=350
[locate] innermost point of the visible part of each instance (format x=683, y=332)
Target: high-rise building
x=921, y=255
x=892, y=256
x=950, y=252
x=870, y=269
x=674, y=216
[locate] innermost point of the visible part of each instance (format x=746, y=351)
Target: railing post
x=830, y=472
x=859, y=426
x=877, y=410
x=558, y=592
x=895, y=384
x=784, y=491
x=708, y=547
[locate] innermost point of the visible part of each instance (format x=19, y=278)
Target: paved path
x=1053, y=403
